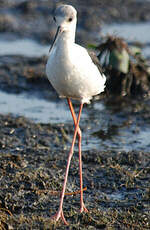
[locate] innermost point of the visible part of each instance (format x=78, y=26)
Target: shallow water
x=39, y=110
x=119, y=130
x=102, y=129
x=24, y=47
x=129, y=31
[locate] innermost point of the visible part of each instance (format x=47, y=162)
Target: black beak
x=57, y=32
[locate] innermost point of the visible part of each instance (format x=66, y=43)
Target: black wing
x=95, y=60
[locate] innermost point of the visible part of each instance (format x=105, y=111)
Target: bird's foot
x=59, y=215
x=83, y=208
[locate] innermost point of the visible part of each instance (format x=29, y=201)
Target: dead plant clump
x=126, y=69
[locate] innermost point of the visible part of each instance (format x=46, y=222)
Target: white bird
x=73, y=74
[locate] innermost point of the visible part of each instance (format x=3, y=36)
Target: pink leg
x=60, y=214
x=82, y=206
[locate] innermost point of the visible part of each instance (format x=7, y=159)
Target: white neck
x=67, y=36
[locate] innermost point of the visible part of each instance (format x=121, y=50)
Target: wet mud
x=23, y=74
x=33, y=155
x=32, y=164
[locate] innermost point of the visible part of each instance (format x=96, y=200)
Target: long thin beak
x=57, y=32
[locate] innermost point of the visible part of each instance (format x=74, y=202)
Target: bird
x=73, y=74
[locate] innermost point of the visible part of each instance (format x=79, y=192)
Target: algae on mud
x=32, y=163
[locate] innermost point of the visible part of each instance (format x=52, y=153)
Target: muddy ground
x=32, y=163
x=33, y=155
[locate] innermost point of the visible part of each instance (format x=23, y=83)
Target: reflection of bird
x=73, y=74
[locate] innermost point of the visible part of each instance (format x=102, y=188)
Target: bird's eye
x=54, y=18
x=70, y=19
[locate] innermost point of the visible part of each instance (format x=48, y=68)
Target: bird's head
x=65, y=17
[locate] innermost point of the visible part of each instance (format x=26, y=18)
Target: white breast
x=73, y=74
